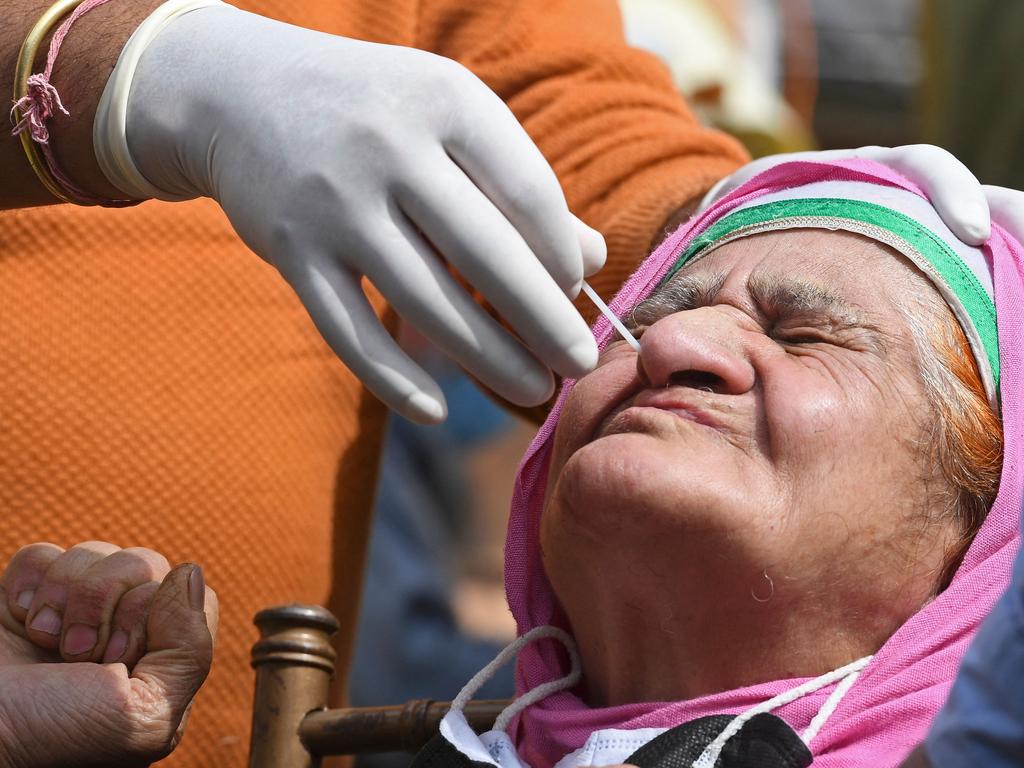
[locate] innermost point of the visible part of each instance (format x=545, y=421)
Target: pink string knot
x=37, y=106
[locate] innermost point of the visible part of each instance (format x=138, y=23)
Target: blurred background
x=781, y=75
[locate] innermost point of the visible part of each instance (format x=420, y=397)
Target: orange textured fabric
x=163, y=387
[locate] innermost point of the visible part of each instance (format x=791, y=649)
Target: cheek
x=590, y=400
x=846, y=447
x=821, y=411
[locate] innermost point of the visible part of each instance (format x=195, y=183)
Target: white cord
x=538, y=693
x=709, y=756
x=110, y=128
x=831, y=703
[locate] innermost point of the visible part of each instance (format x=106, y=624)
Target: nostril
x=696, y=380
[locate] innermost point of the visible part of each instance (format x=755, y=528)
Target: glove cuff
x=110, y=139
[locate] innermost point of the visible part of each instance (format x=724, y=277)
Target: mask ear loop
x=832, y=702
x=531, y=697
x=847, y=675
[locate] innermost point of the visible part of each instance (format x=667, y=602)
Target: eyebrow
x=773, y=295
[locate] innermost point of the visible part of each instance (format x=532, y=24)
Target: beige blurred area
x=746, y=66
x=479, y=592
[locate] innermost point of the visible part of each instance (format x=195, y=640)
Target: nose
x=696, y=348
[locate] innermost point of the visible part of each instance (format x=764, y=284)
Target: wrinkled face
x=765, y=443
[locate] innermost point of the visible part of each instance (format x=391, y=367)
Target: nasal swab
x=616, y=323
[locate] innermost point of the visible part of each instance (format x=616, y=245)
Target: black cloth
x=764, y=741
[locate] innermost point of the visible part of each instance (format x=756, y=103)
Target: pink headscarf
x=889, y=709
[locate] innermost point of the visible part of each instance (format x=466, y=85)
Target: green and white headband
x=895, y=217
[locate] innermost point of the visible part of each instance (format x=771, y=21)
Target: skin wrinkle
x=877, y=564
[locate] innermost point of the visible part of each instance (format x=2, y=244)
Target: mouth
x=637, y=412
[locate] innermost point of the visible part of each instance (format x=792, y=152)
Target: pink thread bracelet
x=32, y=112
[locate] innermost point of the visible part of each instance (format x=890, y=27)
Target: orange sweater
x=163, y=387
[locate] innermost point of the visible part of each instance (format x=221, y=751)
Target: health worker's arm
x=338, y=161
x=86, y=59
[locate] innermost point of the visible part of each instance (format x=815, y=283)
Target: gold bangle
x=26, y=58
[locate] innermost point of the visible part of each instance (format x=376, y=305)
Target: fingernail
x=116, y=647
x=24, y=600
x=47, y=620
x=196, y=589
x=79, y=639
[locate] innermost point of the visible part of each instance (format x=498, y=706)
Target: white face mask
x=720, y=741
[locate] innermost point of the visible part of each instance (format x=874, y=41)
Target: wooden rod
x=403, y=728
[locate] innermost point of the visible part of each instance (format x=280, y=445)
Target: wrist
x=85, y=60
x=174, y=111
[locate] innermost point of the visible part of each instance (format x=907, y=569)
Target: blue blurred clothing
x=408, y=643
x=982, y=723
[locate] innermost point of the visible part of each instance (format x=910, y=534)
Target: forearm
x=86, y=59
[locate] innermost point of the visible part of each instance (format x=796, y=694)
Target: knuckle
x=132, y=609
x=443, y=73
x=533, y=198
x=370, y=133
x=94, y=546
x=89, y=599
x=30, y=563
x=154, y=564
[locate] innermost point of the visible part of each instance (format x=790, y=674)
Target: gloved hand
x=336, y=159
x=1007, y=207
x=954, y=191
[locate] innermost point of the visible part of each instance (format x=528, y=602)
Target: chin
x=625, y=477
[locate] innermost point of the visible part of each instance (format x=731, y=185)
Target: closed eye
x=802, y=336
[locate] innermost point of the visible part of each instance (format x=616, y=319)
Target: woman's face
x=758, y=467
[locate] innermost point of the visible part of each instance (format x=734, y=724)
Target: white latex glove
x=1007, y=206
x=336, y=159
x=954, y=191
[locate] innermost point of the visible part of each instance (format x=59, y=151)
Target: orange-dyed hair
x=969, y=441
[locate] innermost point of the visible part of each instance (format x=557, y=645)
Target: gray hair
x=963, y=439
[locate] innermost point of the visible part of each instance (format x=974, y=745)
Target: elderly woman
x=773, y=530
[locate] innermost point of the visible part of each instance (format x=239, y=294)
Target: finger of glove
x=404, y=268
x=178, y=652
x=45, y=620
x=954, y=191
x=478, y=240
x=95, y=593
x=494, y=150
x=346, y=320
x=592, y=246
x=22, y=576
x=1007, y=207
